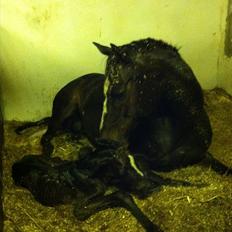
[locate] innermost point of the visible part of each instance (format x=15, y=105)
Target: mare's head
x=128, y=85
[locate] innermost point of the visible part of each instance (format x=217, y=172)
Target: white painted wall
x=224, y=79
x=46, y=43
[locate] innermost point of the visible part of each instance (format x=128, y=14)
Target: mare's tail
x=42, y=121
x=216, y=164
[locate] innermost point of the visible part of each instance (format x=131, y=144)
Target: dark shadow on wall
x=1, y=146
x=228, y=37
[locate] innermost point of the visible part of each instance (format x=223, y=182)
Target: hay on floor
x=173, y=209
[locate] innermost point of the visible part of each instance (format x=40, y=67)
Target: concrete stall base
x=173, y=209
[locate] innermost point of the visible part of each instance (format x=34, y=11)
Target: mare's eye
x=117, y=93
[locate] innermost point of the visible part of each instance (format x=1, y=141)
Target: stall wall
x=225, y=54
x=1, y=185
x=225, y=74
x=46, y=43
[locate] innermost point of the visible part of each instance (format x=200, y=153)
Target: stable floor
x=206, y=209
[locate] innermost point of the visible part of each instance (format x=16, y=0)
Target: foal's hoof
x=82, y=212
x=101, y=143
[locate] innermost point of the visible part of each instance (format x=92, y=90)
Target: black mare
x=154, y=105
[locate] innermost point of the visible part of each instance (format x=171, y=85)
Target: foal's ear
x=103, y=49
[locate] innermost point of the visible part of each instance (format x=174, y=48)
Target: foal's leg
x=59, y=115
x=116, y=199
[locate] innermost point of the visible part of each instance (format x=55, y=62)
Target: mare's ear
x=103, y=49
x=114, y=48
x=123, y=56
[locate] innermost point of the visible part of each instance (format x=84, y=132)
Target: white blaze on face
x=133, y=165
x=104, y=111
